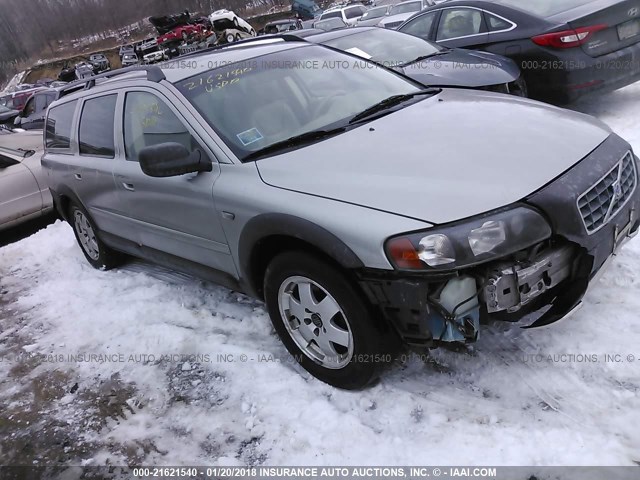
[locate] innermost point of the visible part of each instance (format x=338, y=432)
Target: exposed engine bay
x=507, y=286
x=450, y=309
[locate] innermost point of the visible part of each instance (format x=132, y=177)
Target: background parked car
x=16, y=100
x=348, y=15
x=279, y=26
x=180, y=34
x=565, y=48
x=24, y=192
x=99, y=62
x=83, y=70
x=307, y=9
x=31, y=117
x=130, y=59
x=372, y=17
x=227, y=19
x=157, y=56
x=402, y=11
x=7, y=115
x=124, y=49
x=67, y=73
x=427, y=62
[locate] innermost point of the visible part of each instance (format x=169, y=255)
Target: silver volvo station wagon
x=367, y=211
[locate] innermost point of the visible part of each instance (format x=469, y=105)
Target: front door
x=174, y=215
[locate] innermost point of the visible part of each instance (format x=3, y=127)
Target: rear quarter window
x=58, y=129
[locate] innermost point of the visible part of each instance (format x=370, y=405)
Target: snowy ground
x=543, y=397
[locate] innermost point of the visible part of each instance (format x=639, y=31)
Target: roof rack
x=154, y=74
x=285, y=37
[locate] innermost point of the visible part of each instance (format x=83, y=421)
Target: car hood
x=400, y=17
x=451, y=156
x=463, y=68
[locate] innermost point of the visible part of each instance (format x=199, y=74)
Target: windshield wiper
x=295, y=141
x=390, y=102
x=431, y=55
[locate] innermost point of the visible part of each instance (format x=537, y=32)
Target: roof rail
x=19, y=152
x=285, y=37
x=154, y=74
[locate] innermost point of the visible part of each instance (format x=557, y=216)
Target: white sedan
x=227, y=19
x=24, y=193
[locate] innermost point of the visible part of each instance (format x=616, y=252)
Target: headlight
x=469, y=242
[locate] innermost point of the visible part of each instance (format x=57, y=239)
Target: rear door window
x=459, y=22
x=96, y=126
x=58, y=128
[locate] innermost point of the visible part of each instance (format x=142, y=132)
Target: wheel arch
x=63, y=197
x=267, y=235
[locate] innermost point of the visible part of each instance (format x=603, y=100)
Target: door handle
x=128, y=186
x=78, y=176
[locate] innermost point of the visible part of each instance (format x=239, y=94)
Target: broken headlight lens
x=470, y=242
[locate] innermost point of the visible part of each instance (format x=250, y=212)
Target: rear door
x=461, y=27
x=19, y=191
x=97, y=153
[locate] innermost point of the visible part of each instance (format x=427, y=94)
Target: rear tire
x=337, y=340
x=95, y=251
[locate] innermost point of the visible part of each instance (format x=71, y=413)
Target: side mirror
x=172, y=159
x=18, y=120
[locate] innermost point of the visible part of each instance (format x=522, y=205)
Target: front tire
x=95, y=251
x=324, y=322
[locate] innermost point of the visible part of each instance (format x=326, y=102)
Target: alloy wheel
x=86, y=235
x=316, y=322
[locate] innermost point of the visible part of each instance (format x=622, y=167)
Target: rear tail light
x=567, y=38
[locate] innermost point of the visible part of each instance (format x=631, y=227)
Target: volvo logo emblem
x=633, y=11
x=617, y=191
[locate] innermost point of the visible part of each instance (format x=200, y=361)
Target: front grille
x=609, y=195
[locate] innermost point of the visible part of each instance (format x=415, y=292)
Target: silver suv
x=365, y=210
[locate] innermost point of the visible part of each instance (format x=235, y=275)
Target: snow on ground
x=541, y=397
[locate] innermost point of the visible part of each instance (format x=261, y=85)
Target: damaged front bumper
x=542, y=284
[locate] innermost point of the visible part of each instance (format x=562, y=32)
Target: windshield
x=334, y=14
x=374, y=13
x=263, y=101
x=385, y=46
x=329, y=24
x=406, y=8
